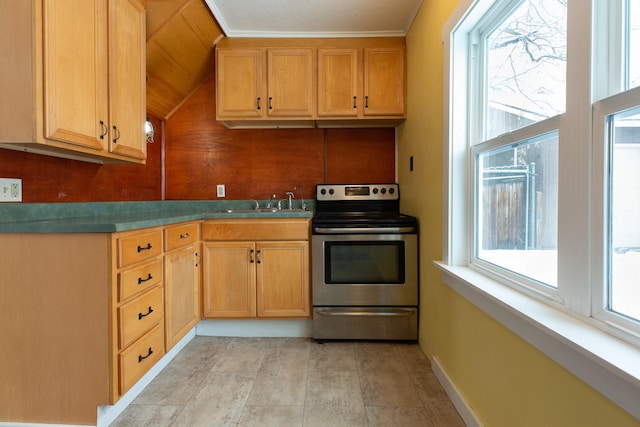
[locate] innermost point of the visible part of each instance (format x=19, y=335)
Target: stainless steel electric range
x=364, y=263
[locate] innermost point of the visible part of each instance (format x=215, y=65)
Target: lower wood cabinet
x=138, y=311
x=55, y=300
x=182, y=262
x=256, y=268
x=88, y=314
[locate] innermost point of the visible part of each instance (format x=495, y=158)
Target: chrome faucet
x=289, y=199
x=271, y=199
x=303, y=205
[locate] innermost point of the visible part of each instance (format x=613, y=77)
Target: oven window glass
x=364, y=262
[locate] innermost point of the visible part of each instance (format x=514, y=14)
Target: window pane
x=517, y=208
x=624, y=190
x=633, y=44
x=526, y=66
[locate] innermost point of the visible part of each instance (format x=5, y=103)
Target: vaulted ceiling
x=181, y=34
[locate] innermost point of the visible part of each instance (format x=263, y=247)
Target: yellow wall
x=506, y=381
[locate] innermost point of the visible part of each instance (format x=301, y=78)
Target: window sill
x=606, y=363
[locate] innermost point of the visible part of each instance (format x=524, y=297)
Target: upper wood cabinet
x=290, y=83
x=311, y=82
x=264, y=83
x=241, y=87
x=75, y=64
x=127, y=70
x=74, y=81
x=384, y=81
x=361, y=83
x=339, y=82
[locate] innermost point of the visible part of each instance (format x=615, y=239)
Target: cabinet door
x=283, y=279
x=75, y=72
x=384, y=80
x=127, y=71
x=181, y=293
x=229, y=279
x=241, y=86
x=338, y=87
x=291, y=83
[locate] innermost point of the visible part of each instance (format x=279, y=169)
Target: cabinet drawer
x=140, y=357
x=138, y=247
x=181, y=235
x=139, y=279
x=250, y=229
x=138, y=316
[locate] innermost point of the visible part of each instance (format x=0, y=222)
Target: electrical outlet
x=10, y=190
x=220, y=190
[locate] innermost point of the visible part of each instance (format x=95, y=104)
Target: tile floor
x=221, y=381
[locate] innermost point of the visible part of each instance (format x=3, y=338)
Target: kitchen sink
x=257, y=211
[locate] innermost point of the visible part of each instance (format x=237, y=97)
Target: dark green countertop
x=108, y=217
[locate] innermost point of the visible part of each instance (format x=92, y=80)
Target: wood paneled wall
x=52, y=179
x=199, y=153
x=252, y=164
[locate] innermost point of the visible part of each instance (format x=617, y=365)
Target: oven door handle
x=364, y=230
x=391, y=312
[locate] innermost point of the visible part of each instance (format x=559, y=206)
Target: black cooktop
x=351, y=219
x=359, y=206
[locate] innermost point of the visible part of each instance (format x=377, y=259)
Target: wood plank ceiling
x=180, y=39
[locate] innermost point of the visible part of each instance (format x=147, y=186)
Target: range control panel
x=338, y=192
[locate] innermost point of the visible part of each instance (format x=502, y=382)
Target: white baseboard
x=108, y=414
x=255, y=328
x=465, y=411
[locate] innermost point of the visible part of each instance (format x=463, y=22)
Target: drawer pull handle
x=251, y=256
x=184, y=236
x=117, y=131
x=355, y=105
x=140, y=315
x=105, y=130
x=198, y=259
x=141, y=280
x=149, y=353
x=258, y=257
x=144, y=248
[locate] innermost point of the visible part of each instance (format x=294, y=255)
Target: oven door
x=365, y=270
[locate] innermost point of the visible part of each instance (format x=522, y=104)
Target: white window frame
x=564, y=327
x=615, y=323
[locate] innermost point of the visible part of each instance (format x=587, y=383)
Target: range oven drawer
x=365, y=323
